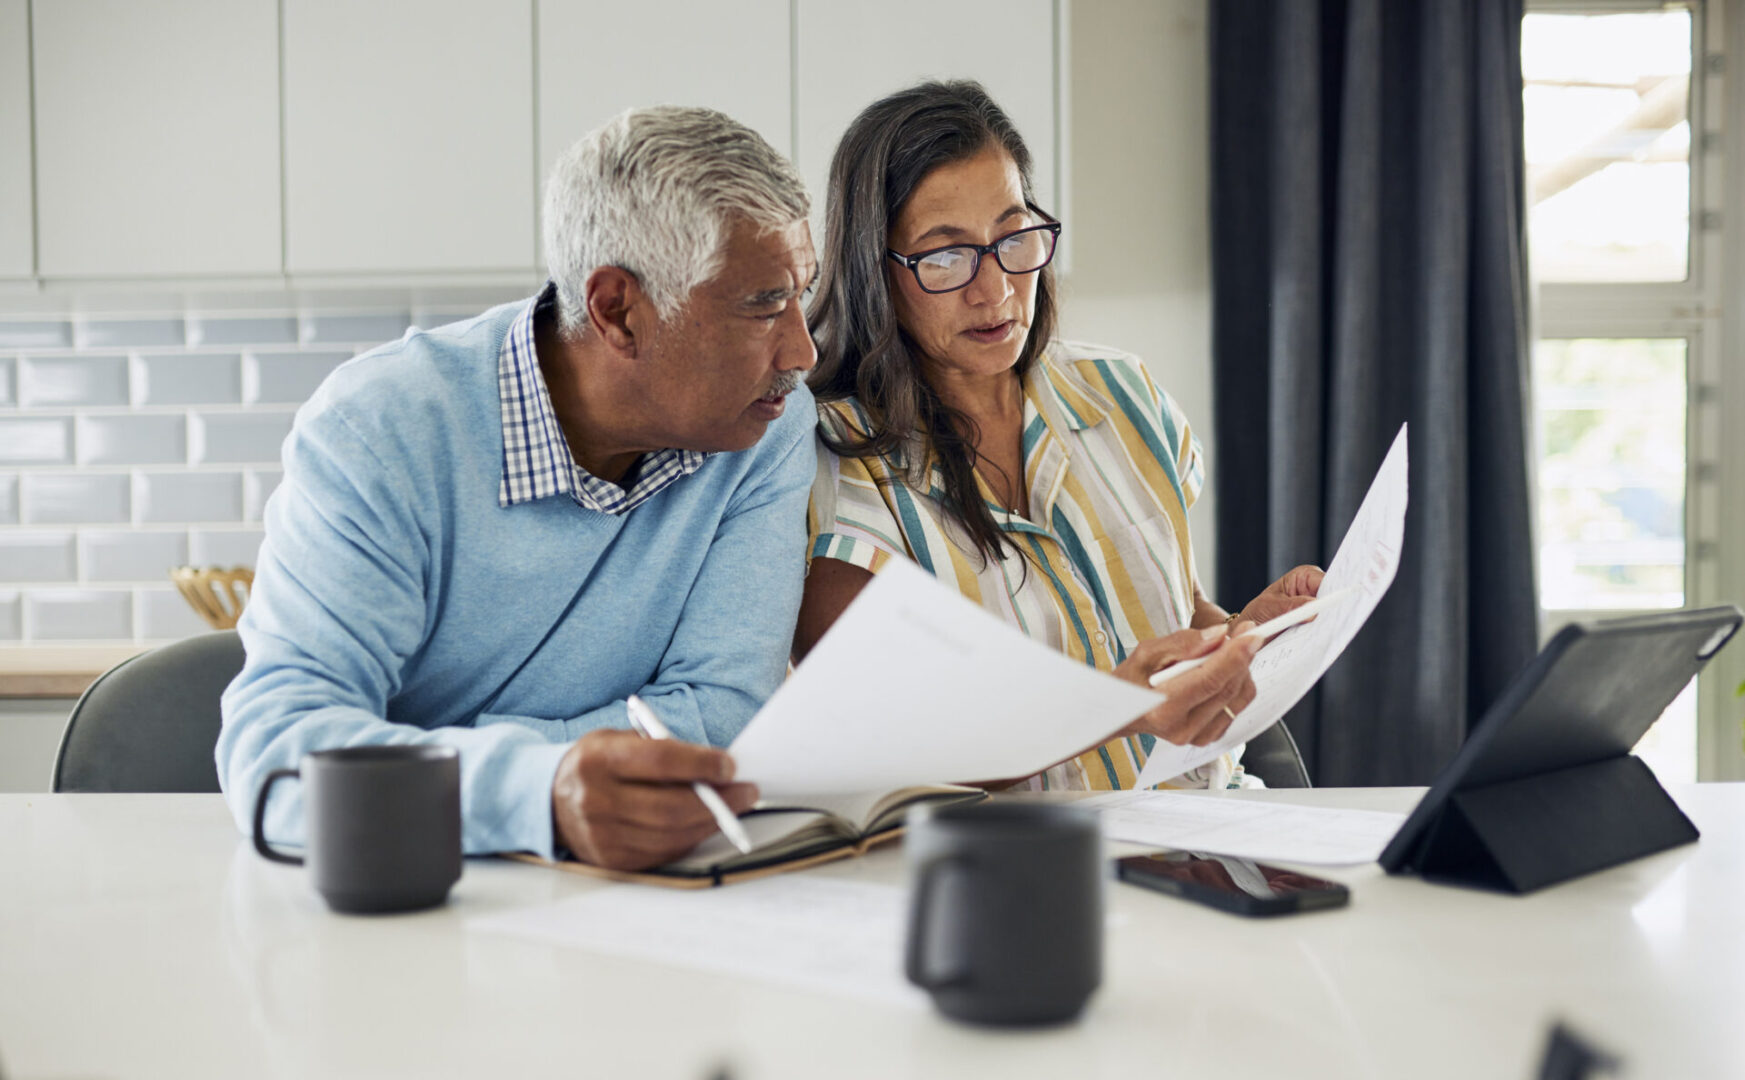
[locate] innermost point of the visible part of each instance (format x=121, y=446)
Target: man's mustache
x=785, y=383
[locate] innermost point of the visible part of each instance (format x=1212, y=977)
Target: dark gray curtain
x=1369, y=269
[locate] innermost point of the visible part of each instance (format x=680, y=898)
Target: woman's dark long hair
x=862, y=351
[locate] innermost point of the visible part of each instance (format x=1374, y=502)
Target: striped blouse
x=1111, y=468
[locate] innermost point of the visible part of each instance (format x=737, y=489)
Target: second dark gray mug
x=1006, y=910
x=382, y=825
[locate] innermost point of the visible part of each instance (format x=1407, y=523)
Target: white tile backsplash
x=257, y=488
x=35, y=335
x=72, y=380
x=130, y=556
x=353, y=329
x=161, y=498
x=36, y=556
x=132, y=443
x=133, y=440
x=103, y=333
x=165, y=615
x=226, y=547
x=187, y=379
x=234, y=438
x=36, y=440
x=79, y=614
x=218, y=330
x=287, y=377
x=65, y=498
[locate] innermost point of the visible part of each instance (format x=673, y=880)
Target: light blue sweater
x=393, y=596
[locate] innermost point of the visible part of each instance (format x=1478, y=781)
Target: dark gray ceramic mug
x=382, y=825
x=1006, y=910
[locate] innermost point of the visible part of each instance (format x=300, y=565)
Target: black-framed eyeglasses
x=947, y=269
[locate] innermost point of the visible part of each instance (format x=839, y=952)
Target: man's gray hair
x=656, y=192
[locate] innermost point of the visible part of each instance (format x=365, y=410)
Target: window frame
x=1707, y=310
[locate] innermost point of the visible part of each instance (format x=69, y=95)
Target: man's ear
x=615, y=302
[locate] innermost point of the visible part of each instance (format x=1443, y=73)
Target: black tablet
x=1585, y=699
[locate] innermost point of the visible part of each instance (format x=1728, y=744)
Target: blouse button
x=1102, y=638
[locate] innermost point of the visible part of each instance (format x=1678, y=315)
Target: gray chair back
x=1273, y=756
x=150, y=723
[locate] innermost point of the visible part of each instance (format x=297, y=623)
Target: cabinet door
x=850, y=55
x=17, y=236
x=157, y=137
x=408, y=136
x=596, y=60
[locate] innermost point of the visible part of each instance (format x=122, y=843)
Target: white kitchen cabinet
x=596, y=60
x=157, y=140
x=415, y=139
x=17, y=234
x=408, y=136
x=851, y=54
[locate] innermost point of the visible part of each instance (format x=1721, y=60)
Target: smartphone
x=1239, y=886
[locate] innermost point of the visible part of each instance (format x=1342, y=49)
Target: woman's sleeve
x=848, y=519
x=1190, y=462
x=1190, y=456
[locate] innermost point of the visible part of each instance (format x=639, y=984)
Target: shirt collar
x=1059, y=395
x=537, y=463
x=1082, y=405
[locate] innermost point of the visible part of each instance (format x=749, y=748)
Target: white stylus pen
x=648, y=725
x=1265, y=630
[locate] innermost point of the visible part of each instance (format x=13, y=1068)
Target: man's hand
x=1296, y=588
x=1203, y=702
x=625, y=802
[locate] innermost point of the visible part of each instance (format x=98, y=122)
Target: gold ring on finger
x=1230, y=714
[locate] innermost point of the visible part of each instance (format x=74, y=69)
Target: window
x=1611, y=449
x=1622, y=125
x=1608, y=144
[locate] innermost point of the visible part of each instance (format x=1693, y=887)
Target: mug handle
x=260, y=819
x=914, y=966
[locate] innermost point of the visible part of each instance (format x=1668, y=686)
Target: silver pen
x=648, y=725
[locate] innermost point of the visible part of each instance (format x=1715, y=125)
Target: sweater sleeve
x=337, y=607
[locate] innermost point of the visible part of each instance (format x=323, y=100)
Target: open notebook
x=788, y=834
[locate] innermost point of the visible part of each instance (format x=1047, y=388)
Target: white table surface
x=141, y=937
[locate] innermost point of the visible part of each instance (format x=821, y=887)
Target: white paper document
x=917, y=685
x=1295, y=660
x=1250, y=829
x=811, y=933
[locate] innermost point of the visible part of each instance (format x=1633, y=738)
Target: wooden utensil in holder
x=217, y=594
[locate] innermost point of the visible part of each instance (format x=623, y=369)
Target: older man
x=489, y=535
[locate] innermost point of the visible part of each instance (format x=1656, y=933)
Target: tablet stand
x=1521, y=835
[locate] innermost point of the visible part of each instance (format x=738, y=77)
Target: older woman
x=1048, y=481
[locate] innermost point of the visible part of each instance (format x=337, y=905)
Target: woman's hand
x=1288, y=593
x=1203, y=702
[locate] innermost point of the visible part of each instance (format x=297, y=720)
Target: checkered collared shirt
x=536, y=459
